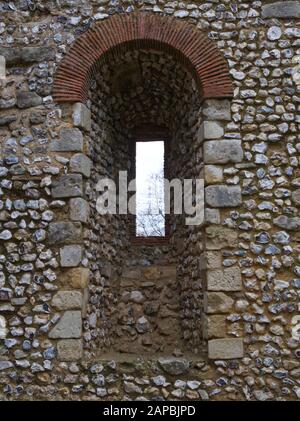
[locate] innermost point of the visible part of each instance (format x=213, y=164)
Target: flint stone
x=287, y=223
x=69, y=185
x=27, y=54
x=79, y=209
x=223, y=151
x=2, y=67
x=70, y=256
x=64, y=232
x=296, y=197
x=82, y=116
x=215, y=109
x=71, y=140
x=69, y=326
x=4, y=365
x=222, y=196
x=81, y=163
x=229, y=279
x=174, y=366
x=28, y=99
x=7, y=119
x=225, y=349
x=281, y=9
x=217, y=302
x=69, y=349
x=75, y=278
x=67, y=300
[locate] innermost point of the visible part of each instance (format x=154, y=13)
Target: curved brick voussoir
x=142, y=30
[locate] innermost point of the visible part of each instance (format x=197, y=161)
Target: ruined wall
x=252, y=152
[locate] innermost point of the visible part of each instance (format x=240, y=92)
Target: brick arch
x=148, y=31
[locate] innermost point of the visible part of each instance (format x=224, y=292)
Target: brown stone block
x=77, y=278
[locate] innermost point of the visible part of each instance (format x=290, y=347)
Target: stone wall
x=249, y=256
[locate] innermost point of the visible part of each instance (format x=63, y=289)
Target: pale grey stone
x=67, y=300
x=79, y=209
x=223, y=151
x=274, y=33
x=228, y=279
x=69, y=349
x=211, y=130
x=222, y=196
x=288, y=223
x=69, y=185
x=4, y=365
x=2, y=67
x=212, y=216
x=82, y=116
x=70, y=256
x=225, y=349
x=282, y=9
x=174, y=366
x=71, y=140
x=213, y=174
x=296, y=197
x=216, y=109
x=3, y=328
x=81, y=163
x=64, y=232
x=28, y=99
x=68, y=326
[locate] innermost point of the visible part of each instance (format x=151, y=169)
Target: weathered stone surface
x=174, y=366
x=213, y=174
x=82, y=116
x=7, y=118
x=218, y=237
x=223, y=151
x=64, y=232
x=81, y=163
x=67, y=300
x=225, y=349
x=71, y=140
x=211, y=130
x=75, y=278
x=70, y=256
x=296, y=197
x=228, y=279
x=212, y=216
x=288, y=223
x=2, y=67
x=79, y=210
x=214, y=326
x=217, y=302
x=69, y=349
x=216, y=109
x=4, y=365
x=3, y=328
x=28, y=99
x=26, y=55
x=69, y=185
x=222, y=196
x=69, y=326
x=281, y=9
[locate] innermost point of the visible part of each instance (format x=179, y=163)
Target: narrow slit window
x=150, y=198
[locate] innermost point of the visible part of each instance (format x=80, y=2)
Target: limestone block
x=64, y=232
x=77, y=278
x=69, y=349
x=27, y=54
x=67, y=300
x=213, y=174
x=218, y=237
x=71, y=140
x=228, y=279
x=81, y=163
x=69, y=185
x=214, y=326
x=216, y=109
x=212, y=216
x=70, y=256
x=225, y=349
x=281, y=9
x=82, y=116
x=211, y=130
x=217, y=302
x=223, y=196
x=222, y=151
x=2, y=67
x=28, y=99
x=68, y=326
x=79, y=210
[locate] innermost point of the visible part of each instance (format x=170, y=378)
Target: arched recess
x=142, y=30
